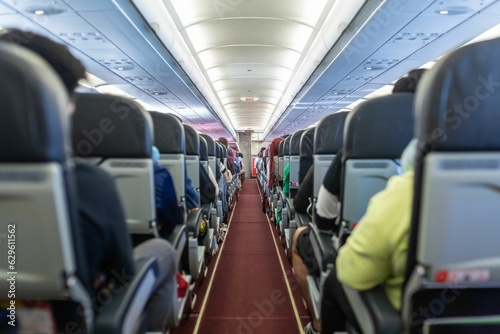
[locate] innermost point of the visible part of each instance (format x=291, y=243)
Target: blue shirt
x=167, y=208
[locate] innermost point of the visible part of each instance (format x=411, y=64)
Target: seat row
x=38, y=200
x=453, y=215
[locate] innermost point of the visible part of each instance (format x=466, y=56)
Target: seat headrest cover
x=286, y=145
x=210, y=144
x=307, y=143
x=168, y=133
x=219, y=151
x=456, y=105
x=329, y=135
x=34, y=113
x=379, y=128
x=111, y=126
x=203, y=149
x=281, y=148
x=192, y=140
x=295, y=143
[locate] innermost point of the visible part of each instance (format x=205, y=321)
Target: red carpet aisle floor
x=252, y=283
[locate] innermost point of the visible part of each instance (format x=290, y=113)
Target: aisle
x=249, y=292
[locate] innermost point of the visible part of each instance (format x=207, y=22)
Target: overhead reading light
x=48, y=10
x=458, y=10
x=249, y=99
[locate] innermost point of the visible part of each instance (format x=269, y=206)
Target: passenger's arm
x=305, y=191
x=192, y=196
x=376, y=250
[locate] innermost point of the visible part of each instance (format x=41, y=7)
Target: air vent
x=156, y=92
x=118, y=64
x=82, y=36
x=415, y=37
x=379, y=63
x=361, y=77
x=139, y=79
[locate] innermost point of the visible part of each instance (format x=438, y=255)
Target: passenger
x=327, y=209
x=168, y=214
x=192, y=196
x=107, y=244
x=229, y=155
x=208, y=185
x=376, y=251
x=242, y=168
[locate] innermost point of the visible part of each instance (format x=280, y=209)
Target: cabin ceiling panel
x=248, y=31
x=249, y=55
x=246, y=84
x=261, y=92
x=193, y=11
x=246, y=70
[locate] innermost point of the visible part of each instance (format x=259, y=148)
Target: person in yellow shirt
x=376, y=251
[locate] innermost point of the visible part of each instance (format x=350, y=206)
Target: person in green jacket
x=376, y=251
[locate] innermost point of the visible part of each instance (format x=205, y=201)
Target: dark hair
x=224, y=141
x=240, y=154
x=408, y=83
x=69, y=69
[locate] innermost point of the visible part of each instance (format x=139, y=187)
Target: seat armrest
x=206, y=210
x=125, y=307
x=322, y=245
x=193, y=223
x=302, y=219
x=374, y=311
x=282, y=195
x=291, y=209
x=178, y=239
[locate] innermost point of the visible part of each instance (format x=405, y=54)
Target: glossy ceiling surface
x=269, y=66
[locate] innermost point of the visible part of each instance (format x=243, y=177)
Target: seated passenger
x=109, y=255
x=192, y=196
x=376, y=251
x=242, y=167
x=327, y=209
x=303, y=260
x=168, y=214
x=208, y=186
x=229, y=155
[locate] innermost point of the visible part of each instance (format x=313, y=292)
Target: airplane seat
x=170, y=139
x=294, y=162
x=376, y=133
x=453, y=249
x=193, y=157
x=272, y=175
x=328, y=140
x=116, y=134
x=284, y=211
x=206, y=208
x=289, y=226
x=305, y=162
x=203, y=152
x=194, y=218
x=281, y=162
x=204, y=165
x=39, y=205
x=211, y=151
x=452, y=278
